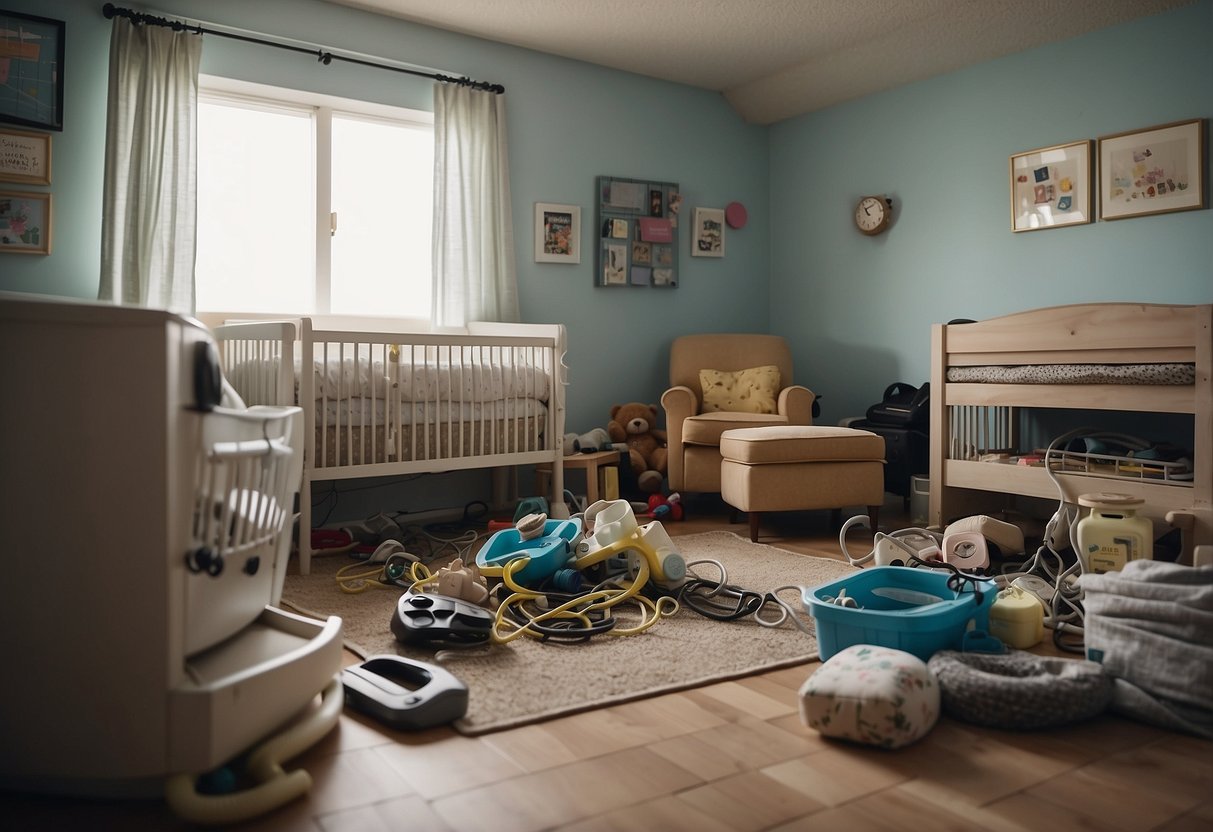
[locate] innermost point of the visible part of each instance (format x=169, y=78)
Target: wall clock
x=872, y=214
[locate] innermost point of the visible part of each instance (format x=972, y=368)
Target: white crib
x=387, y=397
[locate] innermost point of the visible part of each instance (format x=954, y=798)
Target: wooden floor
x=728, y=756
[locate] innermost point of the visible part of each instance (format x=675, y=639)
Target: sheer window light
x=311, y=204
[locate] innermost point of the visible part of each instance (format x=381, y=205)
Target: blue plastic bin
x=907, y=609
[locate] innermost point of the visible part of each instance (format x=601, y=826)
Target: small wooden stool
x=594, y=465
x=796, y=468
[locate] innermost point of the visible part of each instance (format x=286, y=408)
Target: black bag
x=903, y=406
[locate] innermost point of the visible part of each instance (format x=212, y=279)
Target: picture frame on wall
x=25, y=157
x=1158, y=170
x=637, y=232
x=1051, y=187
x=708, y=237
x=557, y=233
x=25, y=222
x=32, y=50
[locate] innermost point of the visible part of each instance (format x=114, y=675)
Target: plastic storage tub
x=907, y=609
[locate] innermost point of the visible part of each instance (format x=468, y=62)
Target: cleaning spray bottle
x=1112, y=534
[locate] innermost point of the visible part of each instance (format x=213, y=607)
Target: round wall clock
x=872, y=214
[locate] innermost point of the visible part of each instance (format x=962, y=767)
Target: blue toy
x=548, y=551
x=919, y=611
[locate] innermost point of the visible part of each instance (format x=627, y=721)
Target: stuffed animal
x=458, y=581
x=635, y=424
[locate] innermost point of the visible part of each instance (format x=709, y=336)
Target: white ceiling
x=774, y=59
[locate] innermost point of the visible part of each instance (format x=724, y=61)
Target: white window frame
x=218, y=89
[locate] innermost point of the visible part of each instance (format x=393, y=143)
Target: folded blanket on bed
x=1169, y=374
x=1151, y=626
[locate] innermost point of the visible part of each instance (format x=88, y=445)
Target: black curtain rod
x=111, y=11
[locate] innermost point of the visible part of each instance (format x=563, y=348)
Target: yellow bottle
x=1112, y=534
x=1017, y=618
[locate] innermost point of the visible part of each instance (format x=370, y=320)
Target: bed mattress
x=1159, y=374
x=429, y=381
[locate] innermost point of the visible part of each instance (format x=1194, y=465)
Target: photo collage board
x=637, y=232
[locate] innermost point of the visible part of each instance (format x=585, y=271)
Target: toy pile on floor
x=598, y=573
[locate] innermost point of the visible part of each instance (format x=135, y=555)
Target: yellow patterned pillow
x=750, y=391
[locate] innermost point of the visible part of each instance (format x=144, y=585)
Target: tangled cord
x=526, y=612
x=1064, y=612
x=393, y=574
x=706, y=598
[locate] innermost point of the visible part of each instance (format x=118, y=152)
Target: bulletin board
x=637, y=226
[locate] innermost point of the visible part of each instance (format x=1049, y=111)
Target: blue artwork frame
x=31, y=70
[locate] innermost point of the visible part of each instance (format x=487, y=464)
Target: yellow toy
x=649, y=543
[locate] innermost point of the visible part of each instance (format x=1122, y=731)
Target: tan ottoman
x=797, y=468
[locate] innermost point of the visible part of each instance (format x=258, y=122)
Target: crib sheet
x=419, y=379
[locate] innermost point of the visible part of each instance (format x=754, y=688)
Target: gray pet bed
x=1019, y=690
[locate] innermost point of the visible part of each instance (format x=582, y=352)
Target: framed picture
x=25, y=223
x=1153, y=171
x=708, y=239
x=637, y=232
x=1051, y=187
x=31, y=52
x=557, y=233
x=25, y=157
x=614, y=265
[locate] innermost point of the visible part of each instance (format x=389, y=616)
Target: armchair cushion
x=752, y=390
x=706, y=428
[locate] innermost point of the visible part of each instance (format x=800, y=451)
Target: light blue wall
x=858, y=310
x=568, y=123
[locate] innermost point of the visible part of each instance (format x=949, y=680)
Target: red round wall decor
x=735, y=215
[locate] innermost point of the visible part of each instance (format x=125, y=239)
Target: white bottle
x=1112, y=534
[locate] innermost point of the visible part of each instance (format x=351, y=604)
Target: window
x=311, y=204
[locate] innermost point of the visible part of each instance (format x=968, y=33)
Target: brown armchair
x=694, y=435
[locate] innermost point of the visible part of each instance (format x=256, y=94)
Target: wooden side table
x=594, y=465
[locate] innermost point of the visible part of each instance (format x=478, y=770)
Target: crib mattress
x=477, y=378
x=1158, y=374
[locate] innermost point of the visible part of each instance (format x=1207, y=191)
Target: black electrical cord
x=957, y=580
x=564, y=630
x=702, y=597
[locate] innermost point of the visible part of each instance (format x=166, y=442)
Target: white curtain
x=474, y=277
x=149, y=209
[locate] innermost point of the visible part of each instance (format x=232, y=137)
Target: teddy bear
x=635, y=424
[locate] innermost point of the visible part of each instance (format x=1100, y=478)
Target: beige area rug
x=526, y=681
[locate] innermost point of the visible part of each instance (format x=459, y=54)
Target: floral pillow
x=754, y=390
x=871, y=695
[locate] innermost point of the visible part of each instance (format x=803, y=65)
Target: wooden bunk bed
x=1126, y=357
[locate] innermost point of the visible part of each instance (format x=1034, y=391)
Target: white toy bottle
x=1112, y=534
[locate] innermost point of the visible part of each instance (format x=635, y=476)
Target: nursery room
x=762, y=416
